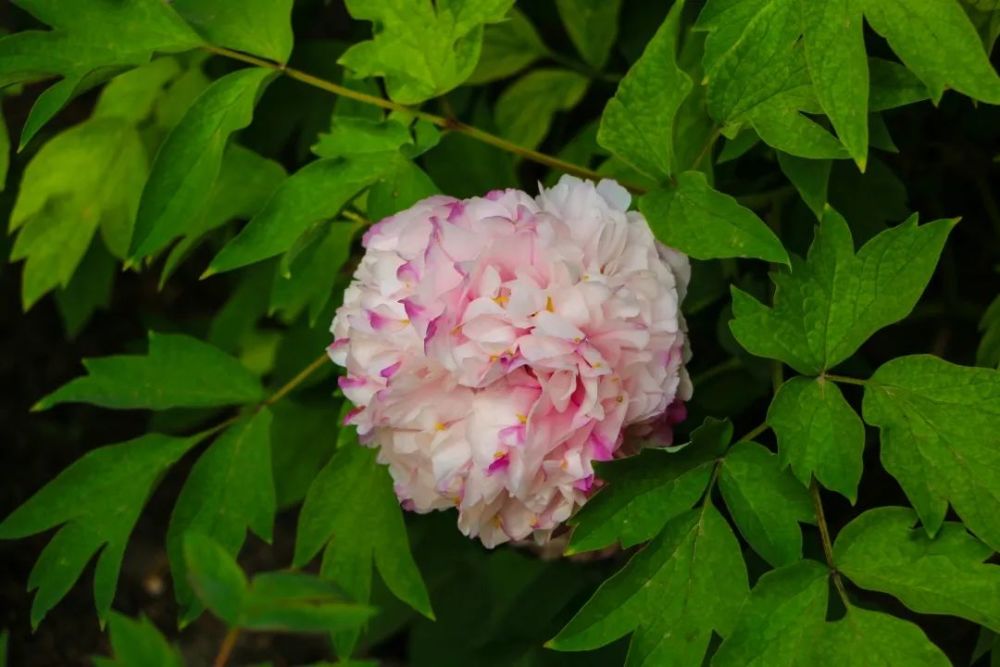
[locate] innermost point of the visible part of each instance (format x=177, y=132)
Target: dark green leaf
x=592, y=25
x=644, y=492
x=260, y=27
x=940, y=429
x=137, y=643
x=707, y=224
x=96, y=501
x=766, y=502
x=829, y=304
x=230, y=490
x=526, y=108
x=810, y=177
x=88, y=291
x=819, y=434
x=215, y=577
x=864, y=638
x=188, y=163
x=508, y=47
x=882, y=551
x=179, y=371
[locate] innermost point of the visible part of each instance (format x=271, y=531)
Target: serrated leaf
x=138, y=643
x=592, y=26
x=939, y=427
x=314, y=193
x=90, y=42
x=707, y=224
x=766, y=503
x=882, y=551
x=834, y=49
x=811, y=179
x=646, y=491
x=829, y=304
x=686, y=583
x=422, y=49
x=179, y=371
x=260, y=27
x=936, y=40
x=526, y=108
x=351, y=512
x=188, y=162
x=87, y=177
x=508, y=47
x=819, y=434
x=96, y=501
x=230, y=490
x=780, y=620
x=638, y=122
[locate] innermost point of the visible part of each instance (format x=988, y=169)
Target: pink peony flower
x=496, y=347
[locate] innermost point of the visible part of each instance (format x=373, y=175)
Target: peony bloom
x=496, y=347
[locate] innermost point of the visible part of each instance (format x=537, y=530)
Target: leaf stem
x=824, y=534
x=447, y=124
x=301, y=377
x=707, y=148
x=226, y=648
x=844, y=379
x=754, y=432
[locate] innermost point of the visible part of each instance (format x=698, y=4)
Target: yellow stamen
x=501, y=299
x=620, y=399
x=549, y=306
x=523, y=419
x=440, y=426
x=497, y=455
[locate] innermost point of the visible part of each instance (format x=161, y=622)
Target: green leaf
x=882, y=551
x=686, y=583
x=644, y=492
x=819, y=434
x=707, y=224
x=297, y=602
x=829, y=304
x=592, y=26
x=260, y=27
x=96, y=502
x=179, y=371
x=354, y=136
x=188, y=163
x=939, y=428
x=215, y=577
x=351, y=510
x=4, y=151
x=90, y=42
x=526, y=108
x=88, y=291
x=399, y=189
x=314, y=193
x=87, y=177
x=137, y=643
x=892, y=85
x=780, y=620
x=864, y=638
x=936, y=40
x=638, y=122
x=133, y=96
x=302, y=440
x=782, y=625
x=988, y=352
x=834, y=49
x=230, y=489
x=811, y=179
x=985, y=17
x=508, y=47
x=766, y=503
x=422, y=49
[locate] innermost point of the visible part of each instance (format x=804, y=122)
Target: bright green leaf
x=940, y=430
x=829, y=304
x=508, y=47
x=179, y=371
x=189, y=161
x=838, y=66
x=592, y=26
x=766, y=502
x=882, y=551
x=423, y=49
x=351, y=510
x=819, y=434
x=96, y=502
x=90, y=42
x=526, y=108
x=314, y=193
x=260, y=27
x=137, y=643
x=686, y=583
x=399, y=189
x=132, y=96
x=353, y=136
x=644, y=492
x=936, y=40
x=638, y=122
x=707, y=224
x=230, y=490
